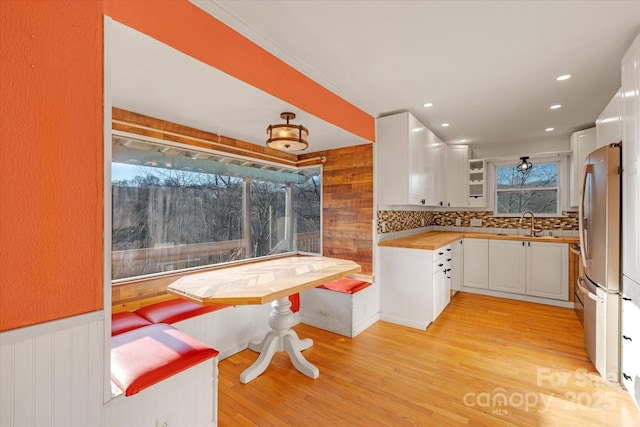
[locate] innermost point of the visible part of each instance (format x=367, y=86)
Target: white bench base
x=342, y=313
x=189, y=398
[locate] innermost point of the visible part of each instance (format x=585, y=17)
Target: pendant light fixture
x=524, y=166
x=287, y=137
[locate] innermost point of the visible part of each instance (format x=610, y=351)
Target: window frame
x=163, y=278
x=562, y=161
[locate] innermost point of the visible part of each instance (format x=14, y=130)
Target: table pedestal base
x=280, y=338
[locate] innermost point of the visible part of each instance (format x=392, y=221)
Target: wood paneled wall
x=347, y=188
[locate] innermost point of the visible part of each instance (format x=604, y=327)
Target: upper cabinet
x=609, y=123
x=582, y=143
x=457, y=188
x=413, y=164
x=631, y=162
x=476, y=175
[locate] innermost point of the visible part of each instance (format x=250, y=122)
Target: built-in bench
x=345, y=306
x=161, y=370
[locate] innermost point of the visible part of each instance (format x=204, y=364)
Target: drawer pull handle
x=448, y=249
x=440, y=265
x=626, y=299
x=440, y=253
x=626, y=377
x=627, y=338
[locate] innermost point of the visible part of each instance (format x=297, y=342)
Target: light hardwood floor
x=485, y=362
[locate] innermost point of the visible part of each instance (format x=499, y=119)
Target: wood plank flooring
x=485, y=362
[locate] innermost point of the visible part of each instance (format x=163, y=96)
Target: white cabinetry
x=414, y=287
x=457, y=263
x=539, y=269
x=476, y=182
x=441, y=280
x=631, y=162
x=457, y=167
x=476, y=263
x=582, y=143
x=409, y=158
x=548, y=270
x=630, y=339
x=630, y=225
x=507, y=266
x=609, y=122
x=436, y=153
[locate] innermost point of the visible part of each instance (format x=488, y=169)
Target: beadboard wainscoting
x=51, y=374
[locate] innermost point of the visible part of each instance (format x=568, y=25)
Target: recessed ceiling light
x=428, y=104
x=555, y=107
x=564, y=77
x=444, y=125
x=549, y=129
x=462, y=141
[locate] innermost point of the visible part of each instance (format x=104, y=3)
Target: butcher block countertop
x=432, y=240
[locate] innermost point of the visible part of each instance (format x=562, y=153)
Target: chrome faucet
x=533, y=230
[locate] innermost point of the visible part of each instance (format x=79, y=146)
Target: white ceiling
x=489, y=67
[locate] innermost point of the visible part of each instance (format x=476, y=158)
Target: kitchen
x=506, y=149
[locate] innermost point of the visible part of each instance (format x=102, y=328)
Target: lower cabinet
x=507, y=266
x=476, y=263
x=414, y=285
x=630, y=339
x=548, y=270
x=539, y=269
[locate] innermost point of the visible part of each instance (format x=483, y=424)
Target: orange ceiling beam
x=194, y=32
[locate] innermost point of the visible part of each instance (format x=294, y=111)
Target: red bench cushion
x=145, y=356
x=175, y=310
x=126, y=321
x=346, y=285
x=295, y=302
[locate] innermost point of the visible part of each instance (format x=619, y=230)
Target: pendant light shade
x=287, y=137
x=524, y=166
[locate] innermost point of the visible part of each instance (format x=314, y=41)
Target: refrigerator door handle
x=588, y=169
x=591, y=295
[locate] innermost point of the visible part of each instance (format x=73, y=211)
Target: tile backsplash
x=394, y=221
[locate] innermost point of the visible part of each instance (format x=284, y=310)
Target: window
x=537, y=191
x=176, y=207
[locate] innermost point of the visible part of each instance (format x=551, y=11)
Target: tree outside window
x=536, y=191
x=174, y=209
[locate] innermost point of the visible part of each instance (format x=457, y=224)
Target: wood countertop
x=432, y=240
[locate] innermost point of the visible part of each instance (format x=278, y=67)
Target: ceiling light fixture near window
x=444, y=125
x=287, y=137
x=564, y=77
x=524, y=166
x=428, y=105
x=555, y=106
x=549, y=129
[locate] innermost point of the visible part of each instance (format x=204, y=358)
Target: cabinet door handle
x=626, y=299
x=448, y=249
x=440, y=253
x=625, y=376
x=522, y=243
x=440, y=265
x=626, y=338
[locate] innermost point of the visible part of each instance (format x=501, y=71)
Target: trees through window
x=175, y=208
x=536, y=191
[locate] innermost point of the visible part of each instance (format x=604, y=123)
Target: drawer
x=442, y=252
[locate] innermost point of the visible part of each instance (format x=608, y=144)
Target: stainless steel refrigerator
x=599, y=217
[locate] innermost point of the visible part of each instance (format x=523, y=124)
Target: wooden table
x=262, y=282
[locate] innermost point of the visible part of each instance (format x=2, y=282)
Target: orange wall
x=50, y=160
x=194, y=32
